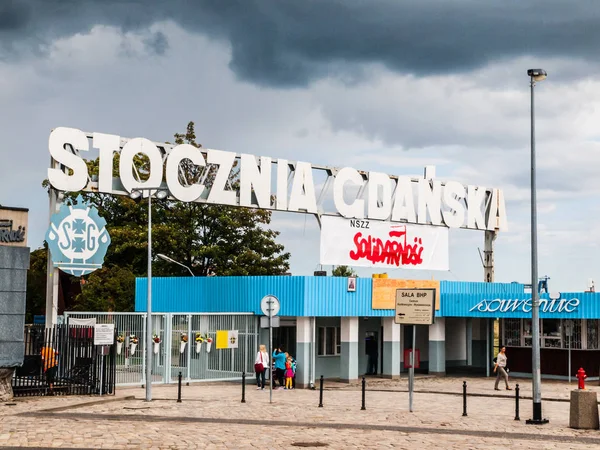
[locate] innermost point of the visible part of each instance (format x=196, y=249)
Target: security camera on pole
x=270, y=306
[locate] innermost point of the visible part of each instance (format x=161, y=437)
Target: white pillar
x=349, y=351
x=437, y=346
x=391, y=348
x=303, y=351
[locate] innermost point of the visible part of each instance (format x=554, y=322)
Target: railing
x=63, y=360
x=171, y=357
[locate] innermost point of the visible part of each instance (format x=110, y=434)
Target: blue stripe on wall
x=328, y=297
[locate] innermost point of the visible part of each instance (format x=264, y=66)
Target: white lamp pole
x=535, y=75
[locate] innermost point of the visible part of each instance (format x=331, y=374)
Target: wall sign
x=13, y=226
x=265, y=183
x=556, y=305
x=371, y=243
x=77, y=239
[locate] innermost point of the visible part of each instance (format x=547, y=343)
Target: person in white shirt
x=500, y=369
x=260, y=366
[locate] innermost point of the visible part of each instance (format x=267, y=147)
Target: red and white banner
x=371, y=243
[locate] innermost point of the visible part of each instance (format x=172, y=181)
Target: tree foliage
x=343, y=271
x=207, y=238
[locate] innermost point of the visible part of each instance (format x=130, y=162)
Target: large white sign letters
x=271, y=184
x=370, y=243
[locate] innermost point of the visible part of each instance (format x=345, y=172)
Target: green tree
x=343, y=271
x=207, y=238
x=36, y=283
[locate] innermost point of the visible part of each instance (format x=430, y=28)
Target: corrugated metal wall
x=321, y=296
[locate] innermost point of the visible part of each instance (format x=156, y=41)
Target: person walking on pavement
x=279, y=360
x=260, y=366
x=501, y=370
x=50, y=366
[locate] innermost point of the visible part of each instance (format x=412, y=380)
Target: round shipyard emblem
x=77, y=238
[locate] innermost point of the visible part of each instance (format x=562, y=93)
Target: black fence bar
x=364, y=388
x=243, y=387
x=179, y=388
x=464, y=398
x=517, y=402
x=321, y=393
x=63, y=360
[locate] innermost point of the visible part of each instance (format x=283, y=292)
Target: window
x=574, y=341
x=329, y=341
x=593, y=326
x=512, y=332
x=551, y=333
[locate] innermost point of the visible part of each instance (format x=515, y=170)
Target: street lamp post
x=535, y=75
x=171, y=260
x=160, y=194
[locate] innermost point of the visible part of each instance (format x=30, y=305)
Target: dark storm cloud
x=293, y=42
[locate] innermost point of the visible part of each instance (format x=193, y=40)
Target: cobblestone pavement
x=212, y=416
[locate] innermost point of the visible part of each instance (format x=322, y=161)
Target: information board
x=415, y=306
x=104, y=334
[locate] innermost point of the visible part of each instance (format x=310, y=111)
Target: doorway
x=285, y=338
x=372, y=352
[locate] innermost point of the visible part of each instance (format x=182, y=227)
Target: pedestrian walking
x=260, y=366
x=50, y=366
x=501, y=369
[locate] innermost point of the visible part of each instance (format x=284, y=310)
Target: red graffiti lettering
x=393, y=252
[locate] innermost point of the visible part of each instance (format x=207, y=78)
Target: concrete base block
x=584, y=410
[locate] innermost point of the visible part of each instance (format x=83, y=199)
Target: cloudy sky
x=383, y=85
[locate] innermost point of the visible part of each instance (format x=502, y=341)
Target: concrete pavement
x=212, y=416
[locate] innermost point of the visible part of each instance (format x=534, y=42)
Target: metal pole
x=179, y=388
x=464, y=398
x=411, y=371
x=101, y=369
x=364, y=388
x=535, y=297
x=487, y=347
x=149, y=306
x=243, y=387
x=271, y=357
x=321, y=392
x=517, y=402
x=569, y=343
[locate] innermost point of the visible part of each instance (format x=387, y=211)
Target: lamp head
x=537, y=74
x=164, y=257
x=135, y=194
x=161, y=195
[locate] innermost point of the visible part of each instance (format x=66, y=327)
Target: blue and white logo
x=77, y=238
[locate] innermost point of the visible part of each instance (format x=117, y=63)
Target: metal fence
x=81, y=367
x=172, y=355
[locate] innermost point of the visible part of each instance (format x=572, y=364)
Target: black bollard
x=179, y=389
x=364, y=388
x=243, y=387
x=464, y=398
x=321, y=393
x=517, y=403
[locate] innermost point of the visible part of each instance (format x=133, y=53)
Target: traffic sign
x=264, y=322
x=269, y=305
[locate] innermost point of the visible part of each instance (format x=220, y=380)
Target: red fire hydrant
x=581, y=376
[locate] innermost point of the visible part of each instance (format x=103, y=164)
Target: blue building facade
x=339, y=334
